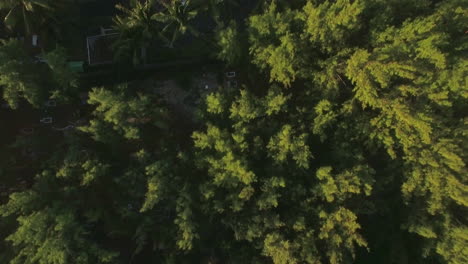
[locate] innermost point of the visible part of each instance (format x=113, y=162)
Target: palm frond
x=46, y=4
x=11, y=18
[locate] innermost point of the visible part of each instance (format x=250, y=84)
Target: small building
x=100, y=47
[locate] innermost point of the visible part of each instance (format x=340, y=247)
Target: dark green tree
x=64, y=79
x=116, y=109
x=50, y=215
x=29, y=16
x=349, y=146
x=24, y=77
x=391, y=88
x=230, y=44
x=175, y=18
x=137, y=29
x=267, y=189
x=19, y=75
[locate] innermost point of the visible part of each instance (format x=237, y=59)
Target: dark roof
x=100, y=48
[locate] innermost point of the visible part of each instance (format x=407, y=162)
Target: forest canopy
x=335, y=133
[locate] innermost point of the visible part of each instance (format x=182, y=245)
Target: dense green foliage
x=18, y=75
x=28, y=17
x=24, y=77
x=345, y=141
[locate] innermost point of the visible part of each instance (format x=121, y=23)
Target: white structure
x=46, y=120
x=34, y=40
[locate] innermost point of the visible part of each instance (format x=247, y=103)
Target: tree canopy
x=23, y=77
x=340, y=138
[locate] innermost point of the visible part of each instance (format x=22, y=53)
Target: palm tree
x=220, y=9
x=30, y=14
x=136, y=27
x=176, y=17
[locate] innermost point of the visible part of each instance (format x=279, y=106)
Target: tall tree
x=63, y=78
x=115, y=109
x=230, y=43
x=275, y=45
x=136, y=27
x=53, y=216
x=349, y=147
x=30, y=15
x=19, y=75
x=25, y=77
x=398, y=77
x=176, y=17
x=104, y=196
x=266, y=188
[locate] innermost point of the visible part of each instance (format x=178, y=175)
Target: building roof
x=100, y=48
